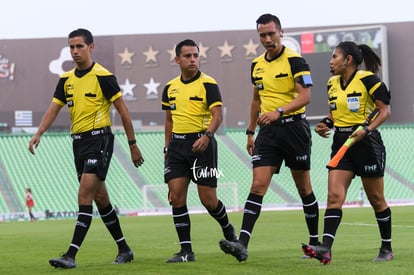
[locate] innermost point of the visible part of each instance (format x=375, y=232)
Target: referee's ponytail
x=362, y=53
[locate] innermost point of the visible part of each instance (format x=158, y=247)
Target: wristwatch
x=209, y=134
x=249, y=132
x=280, y=110
x=367, y=131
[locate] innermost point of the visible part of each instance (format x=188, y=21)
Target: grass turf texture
x=275, y=247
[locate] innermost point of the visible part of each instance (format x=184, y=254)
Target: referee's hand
x=34, y=142
x=136, y=155
x=322, y=130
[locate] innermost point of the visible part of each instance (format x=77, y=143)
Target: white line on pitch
x=369, y=224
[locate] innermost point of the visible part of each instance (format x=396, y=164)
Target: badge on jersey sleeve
x=259, y=86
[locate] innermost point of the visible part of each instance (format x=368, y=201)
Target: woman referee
x=353, y=94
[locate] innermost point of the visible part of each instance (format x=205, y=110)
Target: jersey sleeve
x=110, y=87
x=213, y=95
x=252, y=79
x=376, y=88
x=165, y=105
x=301, y=71
x=59, y=95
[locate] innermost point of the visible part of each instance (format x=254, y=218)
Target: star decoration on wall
x=172, y=54
x=226, y=49
x=126, y=56
x=127, y=88
x=152, y=92
x=251, y=48
x=203, y=50
x=151, y=55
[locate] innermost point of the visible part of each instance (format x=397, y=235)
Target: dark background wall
x=27, y=83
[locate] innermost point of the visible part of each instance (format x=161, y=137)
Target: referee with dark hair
x=89, y=90
x=281, y=89
x=193, y=108
x=353, y=94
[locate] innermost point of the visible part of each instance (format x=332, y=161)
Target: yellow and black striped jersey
x=351, y=104
x=275, y=79
x=190, y=102
x=89, y=95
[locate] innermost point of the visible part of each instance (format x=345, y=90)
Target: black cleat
x=124, y=257
x=236, y=249
x=320, y=252
x=306, y=257
x=63, y=262
x=182, y=257
x=384, y=255
x=230, y=234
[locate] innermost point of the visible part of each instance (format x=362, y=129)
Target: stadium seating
x=51, y=174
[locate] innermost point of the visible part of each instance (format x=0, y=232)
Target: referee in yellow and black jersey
x=281, y=89
x=193, y=108
x=89, y=90
x=353, y=94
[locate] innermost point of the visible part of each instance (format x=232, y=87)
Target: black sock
x=182, y=226
x=384, y=224
x=311, y=210
x=220, y=215
x=111, y=221
x=81, y=229
x=332, y=219
x=252, y=210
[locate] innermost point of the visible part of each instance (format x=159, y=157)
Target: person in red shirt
x=30, y=203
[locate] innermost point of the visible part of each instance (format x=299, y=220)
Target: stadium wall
x=143, y=63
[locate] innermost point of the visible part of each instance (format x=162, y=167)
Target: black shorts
x=365, y=158
x=181, y=161
x=290, y=142
x=93, y=154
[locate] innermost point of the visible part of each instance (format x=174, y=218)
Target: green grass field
x=274, y=247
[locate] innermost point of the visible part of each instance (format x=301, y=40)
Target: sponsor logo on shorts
x=302, y=158
x=371, y=168
x=91, y=162
x=96, y=132
x=256, y=157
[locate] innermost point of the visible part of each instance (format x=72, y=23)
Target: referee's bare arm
x=122, y=109
x=47, y=120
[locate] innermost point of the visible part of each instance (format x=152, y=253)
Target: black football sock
x=111, y=221
x=384, y=224
x=311, y=210
x=220, y=215
x=252, y=210
x=81, y=229
x=332, y=219
x=182, y=224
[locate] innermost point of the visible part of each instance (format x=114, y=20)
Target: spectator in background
x=361, y=197
x=30, y=203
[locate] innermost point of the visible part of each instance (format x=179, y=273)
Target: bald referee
x=89, y=90
x=193, y=108
x=281, y=89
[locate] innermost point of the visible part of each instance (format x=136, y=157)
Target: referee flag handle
x=348, y=143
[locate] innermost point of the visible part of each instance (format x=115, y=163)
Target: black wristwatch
x=367, y=131
x=209, y=134
x=249, y=132
x=280, y=110
x=165, y=150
